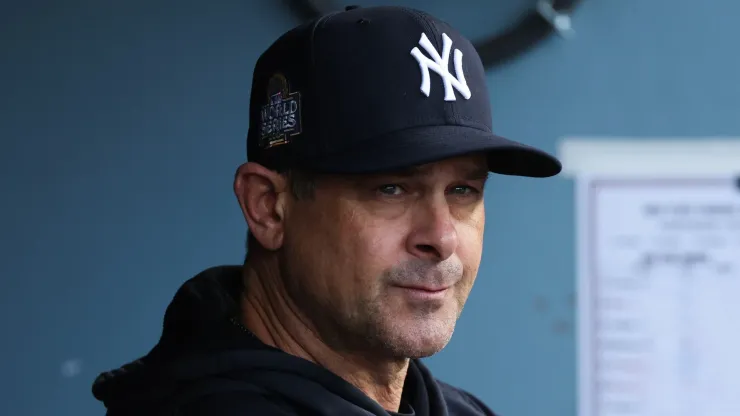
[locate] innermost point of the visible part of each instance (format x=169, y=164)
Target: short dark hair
x=302, y=185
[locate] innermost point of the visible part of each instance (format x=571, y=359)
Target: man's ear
x=262, y=197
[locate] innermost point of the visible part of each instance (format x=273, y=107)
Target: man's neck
x=276, y=321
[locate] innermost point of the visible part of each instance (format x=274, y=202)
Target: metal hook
x=560, y=21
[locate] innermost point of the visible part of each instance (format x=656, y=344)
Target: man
x=369, y=146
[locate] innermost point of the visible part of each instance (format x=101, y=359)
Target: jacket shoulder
x=235, y=403
x=462, y=403
x=227, y=397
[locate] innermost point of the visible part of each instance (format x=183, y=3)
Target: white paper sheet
x=659, y=296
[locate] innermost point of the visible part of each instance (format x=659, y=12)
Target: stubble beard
x=369, y=328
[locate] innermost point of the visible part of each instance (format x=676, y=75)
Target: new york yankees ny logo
x=440, y=64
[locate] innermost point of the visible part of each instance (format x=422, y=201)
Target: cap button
x=348, y=8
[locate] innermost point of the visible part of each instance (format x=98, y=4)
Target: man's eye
x=390, y=189
x=463, y=190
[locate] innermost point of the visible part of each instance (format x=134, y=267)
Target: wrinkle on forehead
x=468, y=167
x=471, y=165
x=473, y=171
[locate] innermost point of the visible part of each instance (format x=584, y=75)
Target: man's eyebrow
x=407, y=172
x=478, y=173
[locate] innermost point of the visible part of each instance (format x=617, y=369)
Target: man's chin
x=417, y=344
x=422, y=351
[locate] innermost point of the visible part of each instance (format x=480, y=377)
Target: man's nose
x=433, y=235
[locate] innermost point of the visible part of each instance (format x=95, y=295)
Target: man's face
x=386, y=262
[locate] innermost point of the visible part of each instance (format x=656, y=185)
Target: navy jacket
x=204, y=365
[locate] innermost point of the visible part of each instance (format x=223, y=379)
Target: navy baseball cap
x=377, y=89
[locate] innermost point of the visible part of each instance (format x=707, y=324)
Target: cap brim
x=422, y=145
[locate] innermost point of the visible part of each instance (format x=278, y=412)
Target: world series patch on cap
x=377, y=89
